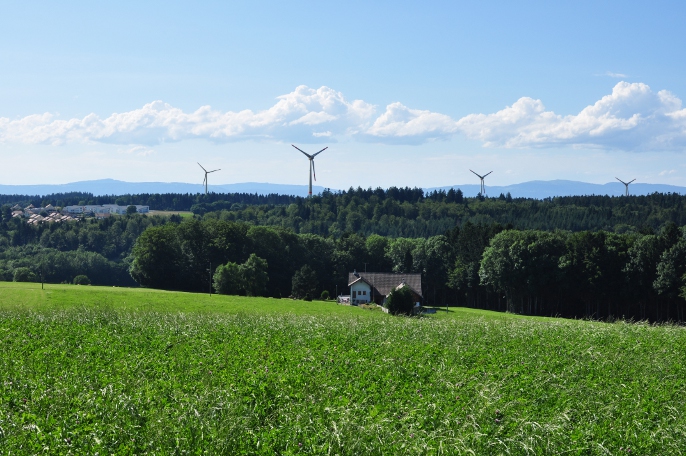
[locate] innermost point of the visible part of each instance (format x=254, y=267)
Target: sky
x=401, y=93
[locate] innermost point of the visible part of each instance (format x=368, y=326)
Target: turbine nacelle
x=483, y=187
x=311, y=158
x=204, y=181
x=626, y=185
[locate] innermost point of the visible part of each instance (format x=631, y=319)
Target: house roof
x=384, y=282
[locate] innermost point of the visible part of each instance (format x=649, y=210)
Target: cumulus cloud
x=293, y=114
x=632, y=117
x=403, y=123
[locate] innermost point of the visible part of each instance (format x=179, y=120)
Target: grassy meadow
x=87, y=370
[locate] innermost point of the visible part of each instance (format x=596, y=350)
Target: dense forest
x=402, y=212
x=595, y=257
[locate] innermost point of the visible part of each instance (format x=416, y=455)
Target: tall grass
x=87, y=380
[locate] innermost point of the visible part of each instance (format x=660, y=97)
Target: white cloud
x=667, y=172
x=632, y=117
x=399, y=121
x=141, y=151
x=293, y=114
x=615, y=75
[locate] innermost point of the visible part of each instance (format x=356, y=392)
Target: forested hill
x=404, y=212
x=410, y=213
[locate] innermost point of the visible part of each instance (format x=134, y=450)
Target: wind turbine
x=206, y=173
x=483, y=187
x=626, y=185
x=311, y=157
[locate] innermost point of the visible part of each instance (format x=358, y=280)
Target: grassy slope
x=88, y=369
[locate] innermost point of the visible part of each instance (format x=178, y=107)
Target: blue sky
x=402, y=93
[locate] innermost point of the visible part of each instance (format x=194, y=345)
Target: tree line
x=583, y=274
x=58, y=252
x=403, y=212
x=415, y=214
x=522, y=255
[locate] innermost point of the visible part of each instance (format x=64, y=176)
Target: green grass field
x=87, y=370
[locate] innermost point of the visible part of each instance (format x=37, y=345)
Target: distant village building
x=366, y=287
x=33, y=214
x=105, y=209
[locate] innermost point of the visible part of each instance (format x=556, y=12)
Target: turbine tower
x=311, y=157
x=206, y=173
x=626, y=185
x=483, y=187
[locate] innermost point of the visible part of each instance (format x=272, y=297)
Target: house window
x=354, y=294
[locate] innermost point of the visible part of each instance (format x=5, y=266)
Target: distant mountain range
x=531, y=189
x=545, y=189
x=116, y=187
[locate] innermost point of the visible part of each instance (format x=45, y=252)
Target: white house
x=375, y=286
x=74, y=209
x=121, y=210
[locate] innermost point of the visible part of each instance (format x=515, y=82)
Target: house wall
x=360, y=293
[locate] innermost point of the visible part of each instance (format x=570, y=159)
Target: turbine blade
x=201, y=167
x=306, y=154
x=205, y=179
x=631, y=181
x=208, y=172
x=314, y=173
x=488, y=173
x=476, y=174
x=314, y=155
x=620, y=180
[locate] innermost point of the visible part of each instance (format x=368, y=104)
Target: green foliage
x=22, y=274
x=254, y=275
x=157, y=259
x=82, y=280
x=325, y=296
x=304, y=283
x=131, y=210
x=400, y=301
x=227, y=279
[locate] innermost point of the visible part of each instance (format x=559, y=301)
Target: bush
x=400, y=301
x=304, y=283
x=24, y=275
x=227, y=279
x=250, y=277
x=82, y=280
x=5, y=275
x=254, y=275
x=325, y=296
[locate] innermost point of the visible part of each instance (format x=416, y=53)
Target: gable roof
x=384, y=282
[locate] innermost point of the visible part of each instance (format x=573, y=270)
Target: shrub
x=250, y=277
x=325, y=296
x=227, y=279
x=254, y=275
x=304, y=283
x=24, y=275
x=82, y=280
x=400, y=301
x=5, y=275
